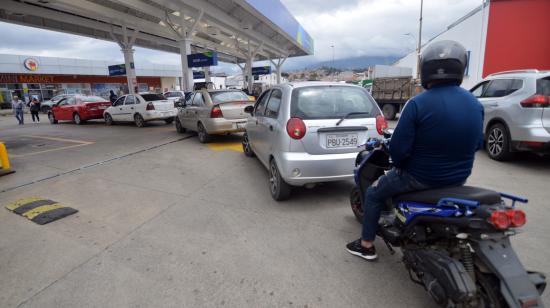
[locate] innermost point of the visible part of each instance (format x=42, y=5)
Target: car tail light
x=517, y=218
x=536, y=101
x=381, y=124
x=296, y=128
x=500, y=220
x=216, y=112
x=150, y=106
x=533, y=144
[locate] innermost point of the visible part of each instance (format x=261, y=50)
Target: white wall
x=471, y=33
x=66, y=66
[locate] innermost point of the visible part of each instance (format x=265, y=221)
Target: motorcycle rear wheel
x=489, y=290
x=355, y=202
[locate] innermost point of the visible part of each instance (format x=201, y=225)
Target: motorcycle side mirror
x=388, y=132
x=249, y=109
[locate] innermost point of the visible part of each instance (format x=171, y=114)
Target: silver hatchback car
x=309, y=132
x=517, y=112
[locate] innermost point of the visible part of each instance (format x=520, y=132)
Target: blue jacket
x=437, y=135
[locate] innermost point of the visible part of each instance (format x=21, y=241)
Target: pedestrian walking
x=17, y=106
x=112, y=97
x=35, y=109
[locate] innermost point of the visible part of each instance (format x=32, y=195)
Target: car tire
x=497, y=143
x=279, y=189
x=51, y=117
x=138, y=120
x=108, y=119
x=179, y=127
x=203, y=135
x=389, y=111
x=169, y=121
x=77, y=119
x=247, y=150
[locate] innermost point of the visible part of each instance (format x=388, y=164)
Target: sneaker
x=355, y=248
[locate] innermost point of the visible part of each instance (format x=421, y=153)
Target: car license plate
x=342, y=141
x=241, y=125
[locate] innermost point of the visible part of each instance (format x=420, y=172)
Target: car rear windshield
x=543, y=86
x=228, y=96
x=153, y=97
x=331, y=102
x=92, y=99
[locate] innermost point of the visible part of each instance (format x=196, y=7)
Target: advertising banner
x=208, y=58
x=198, y=75
x=117, y=70
x=261, y=70
x=278, y=14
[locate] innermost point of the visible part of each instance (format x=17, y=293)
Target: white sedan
x=140, y=108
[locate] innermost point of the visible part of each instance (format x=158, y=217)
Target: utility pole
x=332, y=65
x=419, y=41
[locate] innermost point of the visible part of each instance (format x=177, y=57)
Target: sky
x=354, y=27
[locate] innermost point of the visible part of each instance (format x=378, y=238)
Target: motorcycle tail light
x=500, y=220
x=517, y=218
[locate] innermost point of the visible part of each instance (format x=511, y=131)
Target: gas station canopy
x=235, y=29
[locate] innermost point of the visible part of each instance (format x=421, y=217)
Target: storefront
x=44, y=87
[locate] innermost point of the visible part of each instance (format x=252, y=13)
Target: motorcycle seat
x=432, y=196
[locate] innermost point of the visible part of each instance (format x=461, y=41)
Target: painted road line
x=40, y=210
x=79, y=143
x=224, y=146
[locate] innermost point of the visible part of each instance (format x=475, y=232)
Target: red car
x=78, y=109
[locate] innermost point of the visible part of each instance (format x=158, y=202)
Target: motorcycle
x=455, y=241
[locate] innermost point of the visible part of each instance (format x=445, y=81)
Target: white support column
x=187, y=74
x=278, y=67
x=126, y=46
x=206, y=70
x=250, y=84
x=130, y=69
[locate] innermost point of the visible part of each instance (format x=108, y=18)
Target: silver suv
x=517, y=112
x=306, y=133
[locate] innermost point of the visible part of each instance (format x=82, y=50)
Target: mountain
x=301, y=63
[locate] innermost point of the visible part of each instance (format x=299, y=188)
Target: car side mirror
x=249, y=109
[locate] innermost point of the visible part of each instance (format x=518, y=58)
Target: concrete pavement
x=185, y=225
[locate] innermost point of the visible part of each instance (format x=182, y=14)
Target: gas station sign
x=208, y=58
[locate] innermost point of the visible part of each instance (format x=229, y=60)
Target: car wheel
x=108, y=119
x=138, y=119
x=497, y=143
x=246, y=146
x=279, y=189
x=204, y=137
x=389, y=111
x=77, y=120
x=51, y=117
x=179, y=127
x=169, y=121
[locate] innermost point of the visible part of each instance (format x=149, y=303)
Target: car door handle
x=256, y=122
x=131, y=107
x=120, y=108
x=492, y=105
x=271, y=127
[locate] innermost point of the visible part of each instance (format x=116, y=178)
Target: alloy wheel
x=495, y=141
x=77, y=119
x=273, y=178
x=246, y=146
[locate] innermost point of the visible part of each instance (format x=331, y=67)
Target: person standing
x=112, y=97
x=17, y=106
x=35, y=108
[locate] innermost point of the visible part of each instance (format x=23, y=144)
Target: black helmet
x=443, y=60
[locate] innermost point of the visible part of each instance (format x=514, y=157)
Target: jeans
x=395, y=182
x=35, y=114
x=19, y=116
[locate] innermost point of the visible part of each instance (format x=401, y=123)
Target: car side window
x=198, y=100
x=274, y=104
x=119, y=101
x=130, y=100
x=515, y=85
x=497, y=88
x=62, y=102
x=189, y=99
x=478, y=90
x=261, y=103
x=71, y=101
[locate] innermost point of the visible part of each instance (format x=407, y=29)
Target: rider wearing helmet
x=435, y=140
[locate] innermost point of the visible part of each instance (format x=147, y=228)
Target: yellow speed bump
x=40, y=210
x=224, y=146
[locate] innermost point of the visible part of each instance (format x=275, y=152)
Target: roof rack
x=516, y=71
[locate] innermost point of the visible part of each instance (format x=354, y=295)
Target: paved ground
x=183, y=224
